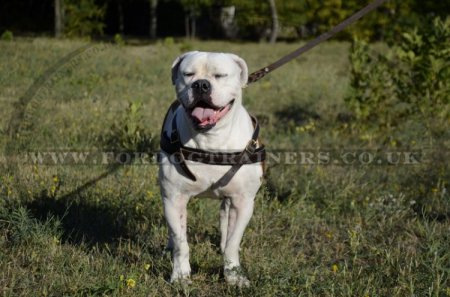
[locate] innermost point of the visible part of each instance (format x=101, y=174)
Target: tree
x=193, y=10
x=121, y=17
x=153, y=18
x=252, y=18
x=275, y=25
x=59, y=18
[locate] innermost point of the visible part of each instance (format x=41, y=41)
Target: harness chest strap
x=180, y=153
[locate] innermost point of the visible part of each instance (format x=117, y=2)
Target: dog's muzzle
x=201, y=87
x=203, y=113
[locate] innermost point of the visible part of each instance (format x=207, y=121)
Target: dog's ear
x=176, y=65
x=244, y=69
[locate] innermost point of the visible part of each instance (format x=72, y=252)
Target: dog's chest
x=209, y=177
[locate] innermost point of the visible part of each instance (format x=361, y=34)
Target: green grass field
x=317, y=230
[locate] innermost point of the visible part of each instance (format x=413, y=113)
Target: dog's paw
x=181, y=277
x=181, y=281
x=236, y=277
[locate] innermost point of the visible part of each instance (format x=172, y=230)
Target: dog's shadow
x=85, y=222
x=81, y=222
x=104, y=226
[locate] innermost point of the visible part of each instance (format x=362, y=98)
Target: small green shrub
x=118, y=39
x=426, y=81
x=7, y=36
x=415, y=83
x=169, y=41
x=127, y=134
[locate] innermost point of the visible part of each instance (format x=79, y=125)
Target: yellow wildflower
x=147, y=266
x=334, y=268
x=131, y=283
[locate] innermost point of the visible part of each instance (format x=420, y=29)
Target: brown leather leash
x=257, y=75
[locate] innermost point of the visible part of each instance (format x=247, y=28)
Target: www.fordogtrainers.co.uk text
x=300, y=157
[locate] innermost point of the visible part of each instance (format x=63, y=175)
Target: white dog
x=209, y=147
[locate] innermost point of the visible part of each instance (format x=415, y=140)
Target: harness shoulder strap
x=170, y=144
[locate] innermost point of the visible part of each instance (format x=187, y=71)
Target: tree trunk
x=59, y=18
x=186, y=26
x=153, y=18
x=190, y=23
x=275, y=24
x=121, y=17
x=193, y=26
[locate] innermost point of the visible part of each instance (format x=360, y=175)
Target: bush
x=127, y=134
x=83, y=18
x=118, y=39
x=7, y=36
x=414, y=83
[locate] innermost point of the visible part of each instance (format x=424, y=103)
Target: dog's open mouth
x=205, y=116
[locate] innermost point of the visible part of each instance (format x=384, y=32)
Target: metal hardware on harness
x=251, y=146
x=257, y=75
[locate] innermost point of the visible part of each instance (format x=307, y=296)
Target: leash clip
x=251, y=147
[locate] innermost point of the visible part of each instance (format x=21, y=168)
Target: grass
x=362, y=230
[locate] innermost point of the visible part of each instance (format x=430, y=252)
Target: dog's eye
x=220, y=75
x=188, y=74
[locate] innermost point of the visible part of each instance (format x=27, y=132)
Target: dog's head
x=209, y=85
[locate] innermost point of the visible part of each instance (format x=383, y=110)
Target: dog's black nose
x=202, y=86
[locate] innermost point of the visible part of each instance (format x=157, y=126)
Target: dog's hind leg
x=224, y=213
x=175, y=211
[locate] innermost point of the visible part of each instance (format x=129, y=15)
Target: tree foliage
x=298, y=19
x=196, y=5
x=83, y=18
x=308, y=18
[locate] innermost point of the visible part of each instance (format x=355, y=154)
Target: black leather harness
x=171, y=144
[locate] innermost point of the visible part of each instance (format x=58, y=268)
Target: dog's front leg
x=175, y=211
x=224, y=214
x=239, y=214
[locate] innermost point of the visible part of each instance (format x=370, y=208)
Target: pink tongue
x=203, y=115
